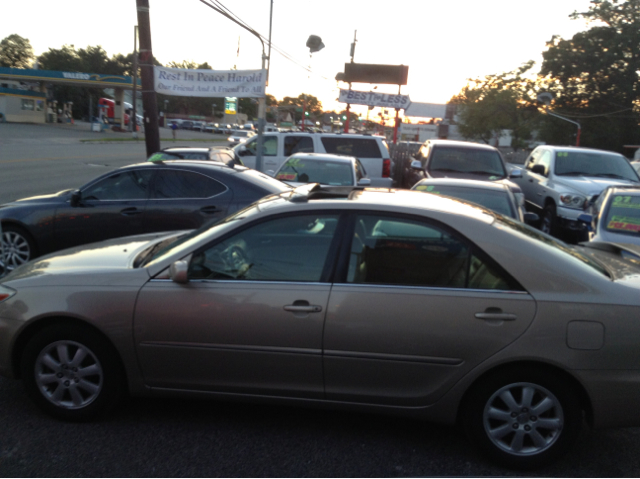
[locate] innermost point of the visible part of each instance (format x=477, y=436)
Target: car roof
x=187, y=149
x=632, y=190
x=485, y=185
x=324, y=156
x=390, y=199
x=578, y=149
x=462, y=144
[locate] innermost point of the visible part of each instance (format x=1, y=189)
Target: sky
x=444, y=42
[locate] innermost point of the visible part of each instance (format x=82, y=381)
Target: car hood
x=87, y=264
x=52, y=198
x=588, y=185
x=609, y=255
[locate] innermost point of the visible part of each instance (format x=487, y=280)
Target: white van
x=372, y=151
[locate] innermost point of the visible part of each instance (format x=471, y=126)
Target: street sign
x=230, y=105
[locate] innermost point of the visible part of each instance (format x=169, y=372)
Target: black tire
x=549, y=221
x=80, y=387
x=19, y=247
x=540, y=424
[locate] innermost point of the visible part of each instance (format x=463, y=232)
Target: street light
x=546, y=97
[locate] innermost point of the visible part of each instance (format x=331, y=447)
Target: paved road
x=160, y=438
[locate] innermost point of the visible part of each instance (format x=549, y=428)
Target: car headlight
x=573, y=201
x=6, y=293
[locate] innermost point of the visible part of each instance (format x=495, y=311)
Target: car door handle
x=496, y=316
x=530, y=180
x=302, y=306
x=130, y=211
x=208, y=210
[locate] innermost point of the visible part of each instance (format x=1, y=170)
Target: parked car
x=198, y=125
x=147, y=197
x=372, y=151
x=208, y=127
x=454, y=159
x=558, y=182
x=495, y=196
x=362, y=299
x=222, y=155
x=325, y=169
x=615, y=216
x=239, y=136
x=186, y=125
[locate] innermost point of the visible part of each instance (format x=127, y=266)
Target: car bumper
x=568, y=218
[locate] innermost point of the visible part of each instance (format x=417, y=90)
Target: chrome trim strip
x=430, y=288
x=393, y=357
x=229, y=281
x=232, y=347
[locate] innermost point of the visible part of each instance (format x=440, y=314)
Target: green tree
x=15, y=52
x=594, y=77
x=506, y=101
x=310, y=103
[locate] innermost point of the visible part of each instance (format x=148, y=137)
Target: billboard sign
x=372, y=99
x=210, y=83
x=372, y=73
x=230, y=105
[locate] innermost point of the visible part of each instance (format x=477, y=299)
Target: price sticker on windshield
x=624, y=223
x=626, y=202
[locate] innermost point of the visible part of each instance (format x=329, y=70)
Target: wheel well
x=548, y=369
x=549, y=202
x=38, y=326
x=25, y=231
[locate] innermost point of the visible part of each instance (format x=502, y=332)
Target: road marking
x=65, y=158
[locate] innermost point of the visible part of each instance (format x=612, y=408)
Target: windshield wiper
x=482, y=172
x=611, y=175
x=450, y=170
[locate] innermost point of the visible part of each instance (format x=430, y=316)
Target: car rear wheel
x=548, y=221
x=18, y=247
x=71, y=373
x=523, y=418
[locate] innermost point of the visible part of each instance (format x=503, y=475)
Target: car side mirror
x=415, y=164
x=364, y=182
x=270, y=172
x=242, y=151
x=516, y=173
x=178, y=272
x=530, y=218
x=538, y=169
x=76, y=196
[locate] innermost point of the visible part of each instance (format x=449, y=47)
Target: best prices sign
x=370, y=98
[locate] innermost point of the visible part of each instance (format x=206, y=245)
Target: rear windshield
x=496, y=200
x=358, y=147
x=604, y=165
x=316, y=171
x=623, y=215
x=264, y=181
x=467, y=160
x=183, y=155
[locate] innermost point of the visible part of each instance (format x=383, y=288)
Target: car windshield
x=538, y=235
x=467, y=160
x=623, y=215
x=602, y=164
x=325, y=172
x=496, y=200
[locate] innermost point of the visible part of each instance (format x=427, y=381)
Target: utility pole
x=353, y=52
x=149, y=100
x=134, y=123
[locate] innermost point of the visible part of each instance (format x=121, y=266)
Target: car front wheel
x=71, y=372
x=548, y=221
x=523, y=419
x=17, y=248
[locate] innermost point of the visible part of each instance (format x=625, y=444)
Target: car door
x=250, y=318
x=270, y=154
x=110, y=207
x=535, y=177
x=184, y=199
x=417, y=307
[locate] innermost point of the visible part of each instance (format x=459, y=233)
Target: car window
x=360, y=147
x=545, y=160
x=467, y=160
x=496, y=200
x=184, y=155
x=174, y=184
x=533, y=159
x=297, y=144
x=600, y=164
x=126, y=185
x=291, y=248
x=398, y=251
x=623, y=215
x=360, y=171
x=304, y=170
x=269, y=145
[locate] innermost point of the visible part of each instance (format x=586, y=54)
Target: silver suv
x=561, y=181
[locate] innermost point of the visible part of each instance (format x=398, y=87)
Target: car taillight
x=386, y=168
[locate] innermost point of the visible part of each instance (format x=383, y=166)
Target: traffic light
x=306, y=113
x=344, y=117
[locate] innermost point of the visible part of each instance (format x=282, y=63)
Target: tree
x=15, y=52
x=310, y=103
x=506, y=101
x=594, y=77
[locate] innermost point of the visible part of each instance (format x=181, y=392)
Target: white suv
x=372, y=151
x=561, y=181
